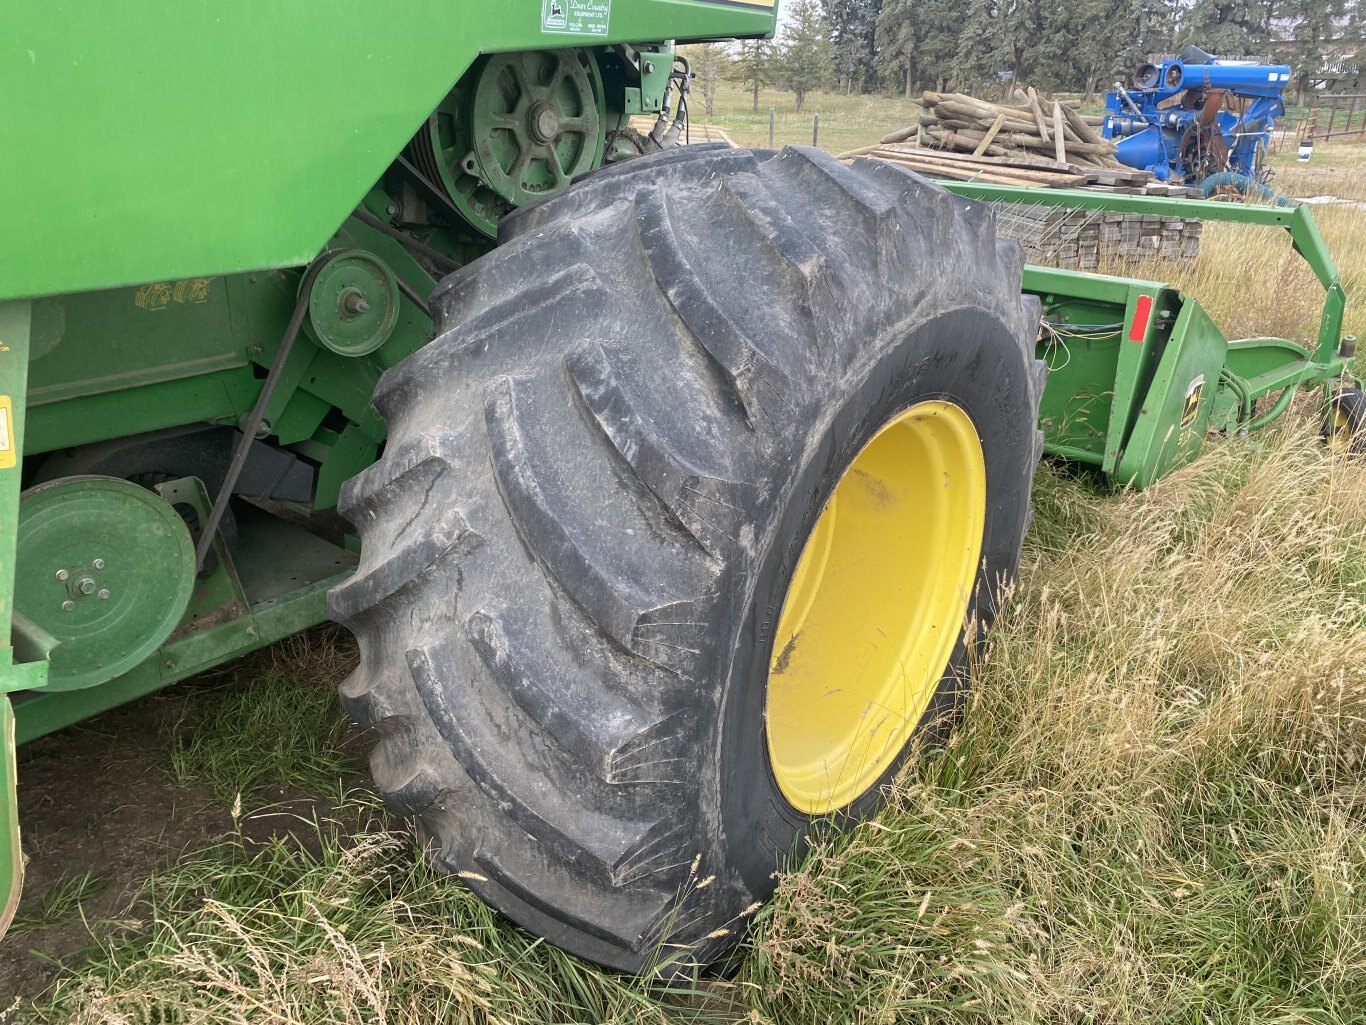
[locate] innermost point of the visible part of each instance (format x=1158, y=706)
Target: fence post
x=1332, y=116
x=772, y=116
x=816, y=130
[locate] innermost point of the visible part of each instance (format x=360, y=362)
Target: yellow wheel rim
x=1340, y=434
x=875, y=607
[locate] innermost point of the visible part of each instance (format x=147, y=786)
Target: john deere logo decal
x=1192, y=407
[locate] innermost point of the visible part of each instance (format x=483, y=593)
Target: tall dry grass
x=1154, y=811
x=1254, y=284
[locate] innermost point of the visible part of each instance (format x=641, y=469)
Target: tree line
x=991, y=46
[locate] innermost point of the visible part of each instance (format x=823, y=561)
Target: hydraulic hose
x=1244, y=184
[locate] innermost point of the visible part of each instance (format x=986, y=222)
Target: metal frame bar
x=1254, y=368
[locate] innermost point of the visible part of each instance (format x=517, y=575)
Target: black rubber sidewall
x=965, y=357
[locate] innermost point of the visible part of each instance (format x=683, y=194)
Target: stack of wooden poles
x=1028, y=142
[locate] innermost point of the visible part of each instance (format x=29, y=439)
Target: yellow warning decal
x=9, y=456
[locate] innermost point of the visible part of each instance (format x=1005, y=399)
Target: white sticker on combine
x=576, y=17
x=8, y=457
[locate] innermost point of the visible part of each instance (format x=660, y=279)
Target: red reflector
x=1143, y=312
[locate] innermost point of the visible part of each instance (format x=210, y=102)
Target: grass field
x=1152, y=812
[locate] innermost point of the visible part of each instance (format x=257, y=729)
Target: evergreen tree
x=1314, y=26
x=853, y=30
x=1226, y=28
x=917, y=42
x=806, y=57
x=984, y=46
x=753, y=66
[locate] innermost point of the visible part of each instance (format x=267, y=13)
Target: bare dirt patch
x=105, y=804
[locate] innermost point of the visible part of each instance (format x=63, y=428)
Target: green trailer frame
x=1139, y=373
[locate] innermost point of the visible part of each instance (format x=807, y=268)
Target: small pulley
x=354, y=305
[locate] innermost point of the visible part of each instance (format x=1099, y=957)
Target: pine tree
x=853, y=30
x=984, y=47
x=806, y=57
x=1226, y=28
x=753, y=66
x=917, y=41
x=1315, y=24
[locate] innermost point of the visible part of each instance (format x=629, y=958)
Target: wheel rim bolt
x=68, y=605
x=86, y=586
x=104, y=594
x=98, y=564
x=62, y=574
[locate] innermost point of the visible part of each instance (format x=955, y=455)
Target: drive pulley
x=104, y=566
x=516, y=128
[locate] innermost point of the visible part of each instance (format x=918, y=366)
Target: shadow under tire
x=601, y=479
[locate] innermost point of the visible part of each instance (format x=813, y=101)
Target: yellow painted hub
x=1340, y=436
x=875, y=607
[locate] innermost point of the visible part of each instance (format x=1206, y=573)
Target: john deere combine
x=664, y=523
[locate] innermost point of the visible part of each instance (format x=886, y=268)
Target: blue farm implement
x=1196, y=116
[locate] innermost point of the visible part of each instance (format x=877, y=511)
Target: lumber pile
x=1024, y=169
x=1030, y=142
x=964, y=123
x=697, y=132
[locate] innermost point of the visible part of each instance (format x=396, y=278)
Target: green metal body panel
x=1138, y=406
x=169, y=176
x=1175, y=410
x=148, y=142
x=14, y=343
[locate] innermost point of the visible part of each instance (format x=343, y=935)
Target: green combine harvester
x=663, y=487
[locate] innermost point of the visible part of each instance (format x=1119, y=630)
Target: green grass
x=356, y=930
x=847, y=121
x=61, y=903
x=285, y=732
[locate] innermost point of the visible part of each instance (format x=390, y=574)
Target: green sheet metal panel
x=1175, y=409
x=14, y=337
x=149, y=141
x=112, y=340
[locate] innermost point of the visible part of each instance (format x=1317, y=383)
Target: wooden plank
x=1038, y=114
x=991, y=134
x=991, y=178
x=933, y=164
x=1020, y=159
x=1061, y=151
x=1084, y=131
x=862, y=151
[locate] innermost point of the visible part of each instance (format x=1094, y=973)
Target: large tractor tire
x=685, y=522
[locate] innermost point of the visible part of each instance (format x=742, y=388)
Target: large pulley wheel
x=518, y=127
x=104, y=566
x=676, y=547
